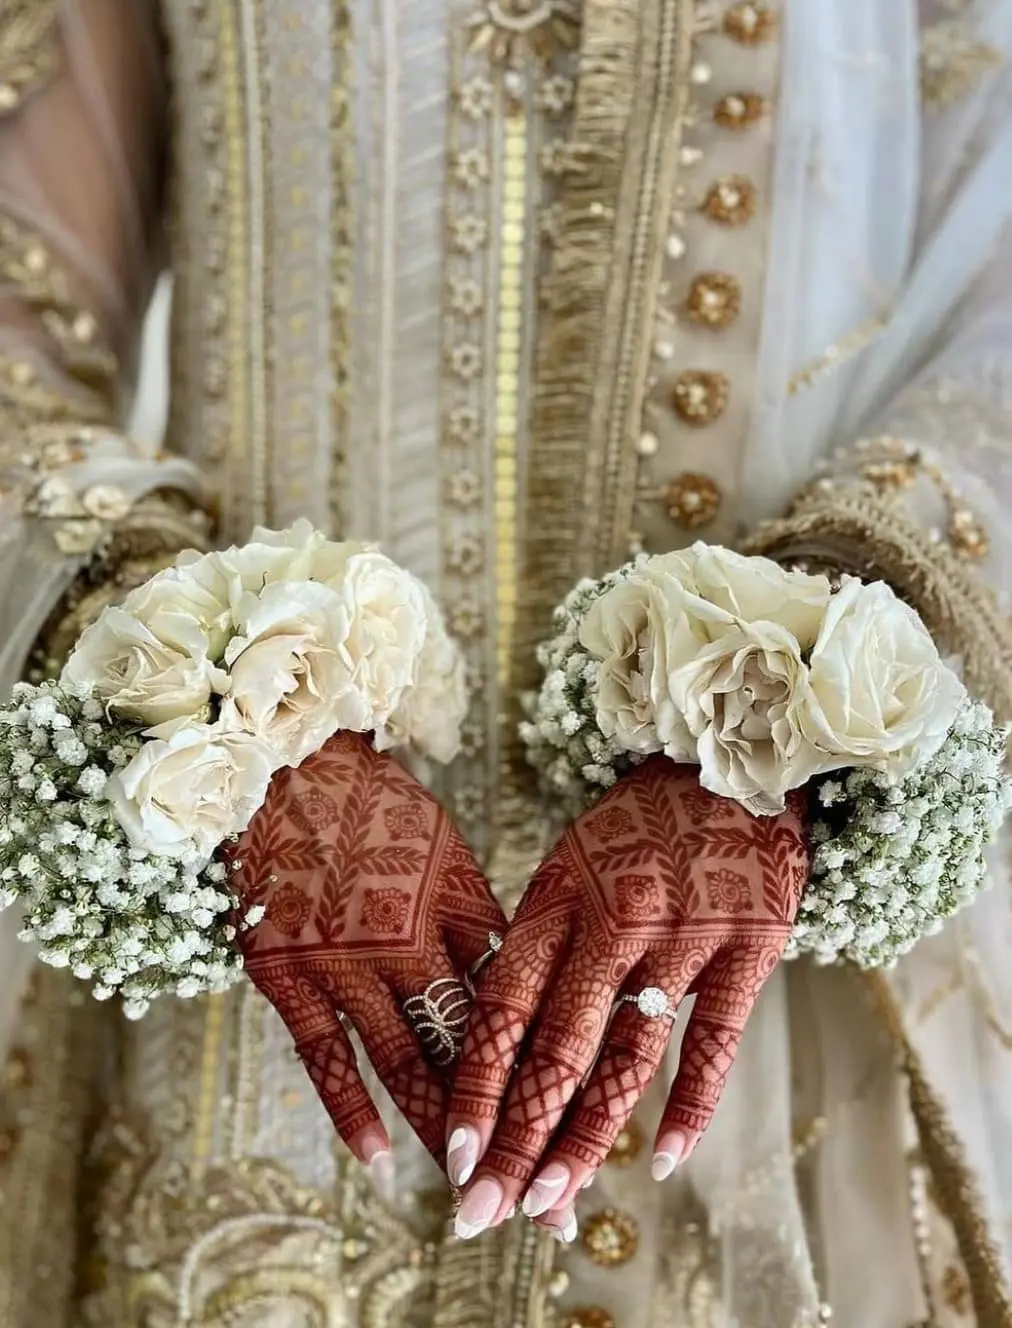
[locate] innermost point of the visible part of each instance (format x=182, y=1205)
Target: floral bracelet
x=770, y=679
x=120, y=781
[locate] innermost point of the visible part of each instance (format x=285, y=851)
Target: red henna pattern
x=370, y=896
x=726, y=887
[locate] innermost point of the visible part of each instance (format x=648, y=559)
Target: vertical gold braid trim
x=241, y=497
x=342, y=196
x=600, y=297
x=956, y=1186
x=594, y=344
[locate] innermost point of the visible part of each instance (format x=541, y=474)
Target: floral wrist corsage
x=119, y=782
x=769, y=679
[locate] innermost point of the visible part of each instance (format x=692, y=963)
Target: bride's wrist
x=770, y=681
x=121, y=782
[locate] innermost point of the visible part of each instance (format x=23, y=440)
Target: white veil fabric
x=888, y=311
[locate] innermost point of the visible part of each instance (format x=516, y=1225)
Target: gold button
x=18, y=1071
x=8, y=97
x=627, y=1146
x=692, y=500
x=967, y=535
x=714, y=299
x=588, y=1316
x=750, y=23
x=610, y=1238
x=730, y=200
x=738, y=110
x=699, y=397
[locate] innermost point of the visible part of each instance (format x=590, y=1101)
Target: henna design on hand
x=661, y=885
x=370, y=895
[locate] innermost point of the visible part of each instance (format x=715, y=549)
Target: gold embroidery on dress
x=36, y=277
x=46, y=1100
x=28, y=48
x=511, y=90
x=594, y=343
x=244, y=1244
x=953, y=61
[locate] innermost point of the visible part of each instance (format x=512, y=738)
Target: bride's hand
x=371, y=896
x=662, y=886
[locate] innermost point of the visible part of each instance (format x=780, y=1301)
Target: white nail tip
x=662, y=1166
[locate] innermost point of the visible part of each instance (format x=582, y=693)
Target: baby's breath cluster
x=893, y=860
x=575, y=761
x=131, y=922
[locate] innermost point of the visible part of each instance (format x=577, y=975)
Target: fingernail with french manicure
x=670, y=1150
x=479, y=1208
x=567, y=1234
x=546, y=1189
x=462, y=1155
x=381, y=1168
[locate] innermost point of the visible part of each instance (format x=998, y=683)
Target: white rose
x=192, y=786
x=299, y=553
x=140, y=676
x=880, y=694
x=642, y=629
x=293, y=676
x=389, y=615
x=751, y=589
x=179, y=600
x=432, y=709
x=741, y=698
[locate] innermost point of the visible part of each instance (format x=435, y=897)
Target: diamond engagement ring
x=494, y=946
x=652, y=1003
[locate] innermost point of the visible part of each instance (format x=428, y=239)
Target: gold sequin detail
x=610, y=1238
x=714, y=299
x=738, y=110
x=952, y=62
x=893, y=464
x=588, y=1316
x=692, y=500
x=627, y=1146
x=699, y=396
x=730, y=200
x=28, y=48
x=750, y=24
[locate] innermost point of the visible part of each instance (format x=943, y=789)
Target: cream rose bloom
x=138, y=675
x=175, y=601
x=741, y=698
x=642, y=629
x=192, y=786
x=879, y=692
x=293, y=674
x=433, y=708
x=389, y=617
x=299, y=553
x=750, y=589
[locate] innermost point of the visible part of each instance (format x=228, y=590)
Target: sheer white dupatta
x=890, y=275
